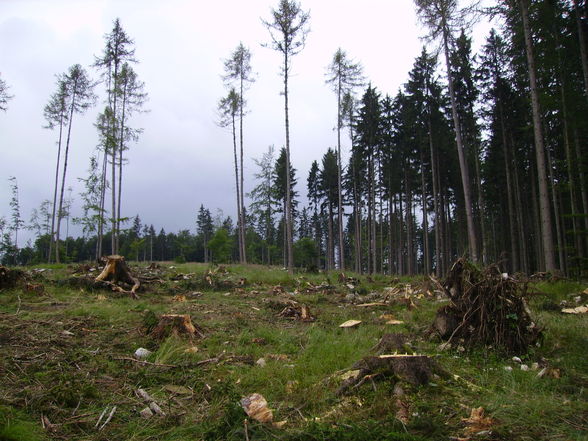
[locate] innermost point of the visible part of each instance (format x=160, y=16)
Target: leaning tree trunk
x=545, y=209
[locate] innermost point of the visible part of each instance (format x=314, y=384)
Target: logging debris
x=487, y=308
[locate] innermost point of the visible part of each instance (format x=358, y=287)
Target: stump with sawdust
x=177, y=325
x=115, y=272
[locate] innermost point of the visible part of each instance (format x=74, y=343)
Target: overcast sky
x=183, y=159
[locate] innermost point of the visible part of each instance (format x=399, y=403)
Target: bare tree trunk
x=59, y=211
x=54, y=208
x=339, y=185
x=238, y=189
x=463, y=166
x=558, y=227
x=102, y=203
x=545, y=210
x=242, y=247
x=514, y=257
x=426, y=251
x=120, y=165
x=583, y=44
x=288, y=213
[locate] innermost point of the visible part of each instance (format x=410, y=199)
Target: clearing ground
x=251, y=353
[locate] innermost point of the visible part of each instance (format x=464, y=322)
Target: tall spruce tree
x=344, y=75
x=288, y=28
x=443, y=18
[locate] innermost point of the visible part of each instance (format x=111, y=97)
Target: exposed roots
x=487, y=309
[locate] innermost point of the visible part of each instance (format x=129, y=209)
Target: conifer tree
x=443, y=18
x=118, y=51
x=288, y=28
x=80, y=96
x=56, y=115
x=238, y=72
x=344, y=75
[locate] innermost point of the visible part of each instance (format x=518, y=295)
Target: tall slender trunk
x=288, y=213
x=545, y=210
x=582, y=176
x=242, y=245
x=339, y=172
x=113, y=155
x=52, y=238
x=120, y=163
x=400, y=217
x=426, y=250
x=409, y=224
x=237, y=188
x=514, y=257
x=330, y=241
x=463, y=165
x=558, y=227
x=438, y=222
x=583, y=44
x=100, y=234
x=524, y=253
x=59, y=211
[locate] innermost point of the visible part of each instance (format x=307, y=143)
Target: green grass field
x=66, y=356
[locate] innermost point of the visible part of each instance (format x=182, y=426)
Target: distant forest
x=479, y=154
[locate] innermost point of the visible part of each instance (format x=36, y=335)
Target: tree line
x=480, y=154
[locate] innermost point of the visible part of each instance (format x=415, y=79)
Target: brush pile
x=487, y=308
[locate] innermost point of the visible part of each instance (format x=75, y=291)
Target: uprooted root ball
x=487, y=309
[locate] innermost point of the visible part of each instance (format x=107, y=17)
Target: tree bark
x=52, y=238
x=545, y=210
x=288, y=213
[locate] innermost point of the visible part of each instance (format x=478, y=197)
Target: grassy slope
x=71, y=378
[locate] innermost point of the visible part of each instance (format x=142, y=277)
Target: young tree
x=443, y=18
x=288, y=29
x=80, y=96
x=263, y=203
x=56, y=115
x=238, y=70
x=329, y=190
x=344, y=76
x=205, y=228
x=4, y=96
x=16, y=221
x=284, y=181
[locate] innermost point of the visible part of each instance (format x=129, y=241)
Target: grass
x=64, y=355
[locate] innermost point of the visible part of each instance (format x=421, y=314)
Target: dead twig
x=146, y=362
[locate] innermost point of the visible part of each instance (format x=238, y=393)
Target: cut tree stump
x=116, y=271
x=413, y=369
x=176, y=324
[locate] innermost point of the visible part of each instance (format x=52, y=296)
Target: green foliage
x=221, y=246
x=16, y=426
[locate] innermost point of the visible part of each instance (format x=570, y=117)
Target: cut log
x=116, y=271
x=176, y=324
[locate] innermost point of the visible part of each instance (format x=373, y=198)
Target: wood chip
x=350, y=324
